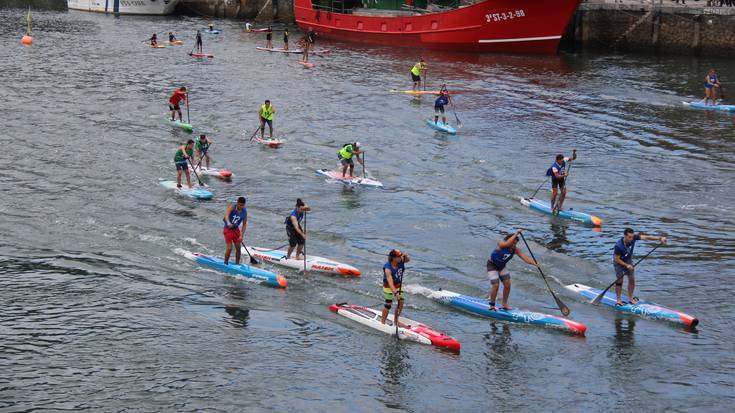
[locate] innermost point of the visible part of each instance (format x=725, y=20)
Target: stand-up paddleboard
x=220, y=173
x=158, y=46
x=313, y=263
x=481, y=307
x=441, y=126
x=215, y=31
x=702, y=105
x=306, y=64
x=545, y=207
x=175, y=43
x=407, y=329
x=179, y=124
x=272, y=142
x=195, y=192
x=417, y=92
x=240, y=270
x=643, y=308
x=295, y=51
x=256, y=30
x=202, y=55
x=350, y=180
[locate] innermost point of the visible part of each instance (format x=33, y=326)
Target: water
x=101, y=313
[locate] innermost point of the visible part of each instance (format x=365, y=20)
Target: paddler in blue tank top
x=392, y=278
x=439, y=103
x=711, y=83
x=623, y=262
x=499, y=257
x=345, y=158
x=558, y=173
x=235, y=215
x=296, y=234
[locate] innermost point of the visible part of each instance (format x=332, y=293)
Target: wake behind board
x=442, y=127
x=643, y=308
x=544, y=206
x=407, y=329
x=196, y=193
x=313, y=263
x=350, y=180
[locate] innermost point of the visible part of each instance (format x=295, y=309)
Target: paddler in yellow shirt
x=416, y=72
x=266, y=116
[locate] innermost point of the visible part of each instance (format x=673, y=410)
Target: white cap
x=357, y=143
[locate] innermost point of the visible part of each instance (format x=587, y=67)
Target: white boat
x=124, y=6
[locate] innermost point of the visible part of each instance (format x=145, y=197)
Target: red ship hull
x=506, y=26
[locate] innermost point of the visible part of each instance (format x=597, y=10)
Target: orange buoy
x=27, y=40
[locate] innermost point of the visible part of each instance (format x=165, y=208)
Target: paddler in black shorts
x=285, y=39
x=269, y=38
x=558, y=173
x=296, y=235
x=199, y=42
x=154, y=40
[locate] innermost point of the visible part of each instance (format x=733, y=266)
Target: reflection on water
x=239, y=315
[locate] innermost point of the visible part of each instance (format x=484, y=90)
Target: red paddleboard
x=273, y=143
x=306, y=64
x=201, y=55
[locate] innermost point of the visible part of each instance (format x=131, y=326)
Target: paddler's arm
x=227, y=216
x=389, y=277
x=510, y=241
x=183, y=150
x=652, y=238
x=622, y=263
x=244, y=227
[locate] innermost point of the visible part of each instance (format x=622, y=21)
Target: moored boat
x=152, y=7
x=510, y=26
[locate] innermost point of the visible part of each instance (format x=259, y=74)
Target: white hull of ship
x=125, y=6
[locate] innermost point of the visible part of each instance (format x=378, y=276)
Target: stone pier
x=665, y=27
x=265, y=11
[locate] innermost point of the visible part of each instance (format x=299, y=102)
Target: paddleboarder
x=345, y=158
x=235, y=215
x=202, y=149
x=623, y=262
x=285, y=39
x=265, y=114
x=248, y=27
x=181, y=159
x=416, y=72
x=499, y=257
x=199, y=47
x=307, y=43
x=711, y=83
x=154, y=40
x=558, y=173
x=173, y=103
x=392, y=278
x=211, y=27
x=439, y=103
x=269, y=38
x=171, y=37
x=296, y=234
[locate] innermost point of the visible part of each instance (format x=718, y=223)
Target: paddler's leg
x=228, y=242
x=554, y=189
x=631, y=287
x=173, y=111
x=388, y=296
x=494, y=284
x=206, y=157
x=262, y=127
x=270, y=128
x=562, y=195
x=399, y=308
x=292, y=242
x=620, y=273
x=178, y=177
x=505, y=278
x=181, y=117
x=236, y=244
x=345, y=164
x=188, y=176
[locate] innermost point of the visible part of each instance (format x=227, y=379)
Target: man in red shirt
x=173, y=102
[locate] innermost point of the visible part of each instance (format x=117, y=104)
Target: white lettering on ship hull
x=508, y=15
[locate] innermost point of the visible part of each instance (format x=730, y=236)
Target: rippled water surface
x=100, y=312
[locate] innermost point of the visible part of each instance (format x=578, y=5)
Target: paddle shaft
x=204, y=153
x=195, y=172
x=254, y=133
x=562, y=307
x=539, y=187
x=602, y=294
x=252, y=259
x=188, y=118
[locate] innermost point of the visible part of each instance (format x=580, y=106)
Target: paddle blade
x=565, y=311
x=597, y=299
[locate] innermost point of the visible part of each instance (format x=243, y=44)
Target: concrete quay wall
x=659, y=27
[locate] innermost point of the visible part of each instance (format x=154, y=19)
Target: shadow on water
x=558, y=236
x=501, y=353
x=350, y=197
x=623, y=350
x=239, y=315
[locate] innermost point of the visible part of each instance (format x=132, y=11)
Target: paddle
x=722, y=92
x=537, y=189
x=597, y=299
x=562, y=307
x=195, y=172
x=454, y=110
x=304, y=252
x=188, y=118
x=254, y=133
x=252, y=259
